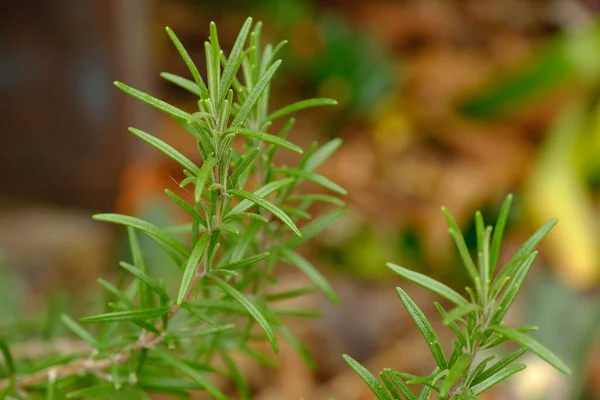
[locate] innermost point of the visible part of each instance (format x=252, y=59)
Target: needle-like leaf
x=167, y=149
x=455, y=373
x=126, y=315
x=254, y=95
x=266, y=137
x=151, y=230
x=191, y=268
x=300, y=105
x=429, y=284
x=462, y=247
x=190, y=64
x=182, y=82
x=234, y=60
x=147, y=279
x=264, y=191
x=311, y=272
x=189, y=371
x=425, y=327
x=498, y=233
x=497, y=378
x=368, y=378
x=203, y=174
x=251, y=308
x=153, y=101
x=261, y=202
x=79, y=330
x=312, y=177
x=534, y=346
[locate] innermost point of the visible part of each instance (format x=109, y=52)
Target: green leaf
x=322, y=154
x=200, y=116
x=452, y=325
x=235, y=374
x=368, y=378
x=429, y=284
x=140, y=264
x=195, y=333
x=425, y=327
x=146, y=279
x=513, y=289
x=9, y=362
x=425, y=393
x=190, y=64
x=314, y=227
x=167, y=149
x=101, y=389
x=500, y=365
x=283, y=133
x=190, y=372
x=126, y=315
x=79, y=330
x=300, y=105
x=390, y=386
x=496, y=378
x=162, y=384
x=459, y=240
x=495, y=339
x=190, y=268
x=245, y=261
x=261, y=202
x=153, y=101
x=311, y=272
x=290, y=294
x=251, y=308
x=183, y=83
x=313, y=177
x=534, y=346
x=262, y=192
x=399, y=383
x=295, y=212
x=297, y=345
x=205, y=170
x=455, y=373
x=254, y=95
x=459, y=312
x=249, y=215
x=528, y=247
x=266, y=137
x=317, y=197
x=125, y=301
x=197, y=217
x=474, y=371
x=213, y=63
x=244, y=162
x=151, y=230
x=498, y=233
x=50, y=388
x=192, y=310
x=234, y=60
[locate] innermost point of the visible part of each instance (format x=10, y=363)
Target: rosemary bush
x=245, y=214
x=477, y=321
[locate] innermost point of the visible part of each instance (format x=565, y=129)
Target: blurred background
x=453, y=103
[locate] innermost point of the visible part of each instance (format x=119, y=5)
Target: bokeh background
x=453, y=103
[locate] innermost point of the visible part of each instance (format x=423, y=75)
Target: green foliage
x=477, y=323
x=246, y=220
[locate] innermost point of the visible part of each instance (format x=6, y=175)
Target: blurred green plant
x=353, y=65
x=571, y=59
x=245, y=214
x=477, y=321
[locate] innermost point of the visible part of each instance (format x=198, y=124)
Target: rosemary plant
x=476, y=320
x=246, y=219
